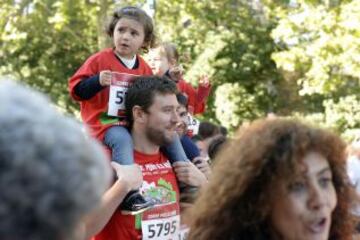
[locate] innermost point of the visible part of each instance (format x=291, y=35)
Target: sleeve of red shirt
x=203, y=92
x=88, y=69
x=196, y=97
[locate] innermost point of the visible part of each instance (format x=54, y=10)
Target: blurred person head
x=216, y=145
x=201, y=144
x=208, y=130
x=280, y=179
x=52, y=174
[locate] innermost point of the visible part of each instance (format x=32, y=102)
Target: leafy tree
x=44, y=42
x=230, y=41
x=319, y=49
x=297, y=58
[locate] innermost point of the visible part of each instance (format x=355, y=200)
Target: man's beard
x=158, y=137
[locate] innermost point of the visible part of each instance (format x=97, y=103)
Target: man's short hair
x=143, y=90
x=51, y=173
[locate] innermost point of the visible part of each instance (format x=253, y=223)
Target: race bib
x=120, y=83
x=161, y=229
x=193, y=125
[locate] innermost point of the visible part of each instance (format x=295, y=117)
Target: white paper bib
x=120, y=83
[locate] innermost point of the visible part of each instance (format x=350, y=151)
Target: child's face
x=128, y=37
x=158, y=62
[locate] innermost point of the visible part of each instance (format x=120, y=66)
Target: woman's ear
x=138, y=114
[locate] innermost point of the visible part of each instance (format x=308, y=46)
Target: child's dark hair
x=138, y=15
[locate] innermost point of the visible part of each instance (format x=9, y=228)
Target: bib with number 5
x=120, y=83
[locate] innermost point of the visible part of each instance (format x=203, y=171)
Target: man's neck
x=142, y=143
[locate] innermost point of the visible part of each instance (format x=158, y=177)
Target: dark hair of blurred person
x=223, y=131
x=215, y=146
x=280, y=179
x=208, y=130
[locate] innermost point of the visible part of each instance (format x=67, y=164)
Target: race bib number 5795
x=161, y=229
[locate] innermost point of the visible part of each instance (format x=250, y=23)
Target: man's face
x=183, y=123
x=162, y=118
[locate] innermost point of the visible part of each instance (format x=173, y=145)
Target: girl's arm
x=87, y=88
x=204, y=89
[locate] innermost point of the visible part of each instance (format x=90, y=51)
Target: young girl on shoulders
x=131, y=30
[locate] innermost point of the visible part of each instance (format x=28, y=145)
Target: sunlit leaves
x=320, y=44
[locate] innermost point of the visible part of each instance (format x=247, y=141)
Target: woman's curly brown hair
x=236, y=203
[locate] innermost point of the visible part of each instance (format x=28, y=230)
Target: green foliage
x=234, y=104
x=320, y=48
x=299, y=59
x=231, y=42
x=44, y=42
x=343, y=114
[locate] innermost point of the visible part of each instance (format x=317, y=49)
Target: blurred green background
x=294, y=58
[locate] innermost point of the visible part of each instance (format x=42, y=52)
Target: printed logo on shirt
x=160, y=193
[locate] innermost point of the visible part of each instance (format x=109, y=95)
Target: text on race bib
x=161, y=229
x=120, y=83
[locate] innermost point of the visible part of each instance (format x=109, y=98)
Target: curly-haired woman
x=280, y=179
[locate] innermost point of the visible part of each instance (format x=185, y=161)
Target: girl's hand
x=105, y=78
x=204, y=80
x=176, y=73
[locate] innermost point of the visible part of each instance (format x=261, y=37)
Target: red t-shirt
x=196, y=97
x=94, y=110
x=159, y=184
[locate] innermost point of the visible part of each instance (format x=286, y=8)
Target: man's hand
x=130, y=175
x=105, y=78
x=176, y=73
x=203, y=165
x=188, y=173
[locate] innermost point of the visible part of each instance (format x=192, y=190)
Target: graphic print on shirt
x=163, y=221
x=160, y=193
